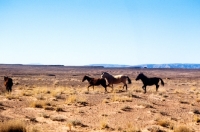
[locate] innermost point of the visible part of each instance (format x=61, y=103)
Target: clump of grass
x=56, y=83
x=12, y=96
x=13, y=126
x=164, y=123
x=196, y=119
x=126, y=108
x=146, y=105
x=59, y=109
x=131, y=128
x=105, y=101
x=182, y=129
x=156, y=129
x=198, y=99
x=77, y=123
x=82, y=102
x=58, y=118
x=184, y=102
x=115, y=97
x=49, y=108
x=38, y=104
x=46, y=115
x=40, y=90
x=71, y=99
x=195, y=111
x=104, y=124
x=40, y=97
x=27, y=93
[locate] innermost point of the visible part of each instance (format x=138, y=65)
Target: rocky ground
x=54, y=98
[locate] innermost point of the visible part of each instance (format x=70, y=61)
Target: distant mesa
x=173, y=65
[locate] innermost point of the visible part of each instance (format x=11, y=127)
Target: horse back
x=97, y=81
x=152, y=81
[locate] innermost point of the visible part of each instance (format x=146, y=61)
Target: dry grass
x=126, y=108
x=182, y=129
x=59, y=109
x=58, y=118
x=131, y=128
x=104, y=123
x=13, y=126
x=198, y=100
x=37, y=104
x=120, y=98
x=11, y=96
x=164, y=123
x=71, y=99
x=145, y=105
x=196, y=119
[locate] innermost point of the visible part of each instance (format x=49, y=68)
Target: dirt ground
x=54, y=99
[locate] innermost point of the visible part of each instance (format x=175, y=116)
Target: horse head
x=5, y=78
x=84, y=78
x=104, y=74
x=139, y=76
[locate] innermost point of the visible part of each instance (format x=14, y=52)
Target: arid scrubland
x=53, y=99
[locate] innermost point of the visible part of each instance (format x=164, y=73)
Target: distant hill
x=110, y=65
x=174, y=65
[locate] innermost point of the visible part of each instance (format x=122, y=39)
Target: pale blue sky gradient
x=82, y=32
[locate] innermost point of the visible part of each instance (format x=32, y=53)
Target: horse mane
x=143, y=75
x=106, y=73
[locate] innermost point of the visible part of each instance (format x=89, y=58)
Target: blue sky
x=82, y=32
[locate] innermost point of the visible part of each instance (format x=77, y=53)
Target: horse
x=95, y=82
x=8, y=83
x=116, y=79
x=149, y=81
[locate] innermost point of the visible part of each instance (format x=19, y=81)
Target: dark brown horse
x=95, y=82
x=149, y=81
x=8, y=83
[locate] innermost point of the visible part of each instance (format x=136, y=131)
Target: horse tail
x=129, y=80
x=161, y=81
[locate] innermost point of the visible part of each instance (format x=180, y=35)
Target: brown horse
x=95, y=82
x=8, y=83
x=116, y=79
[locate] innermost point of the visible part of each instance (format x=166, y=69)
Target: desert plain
x=54, y=99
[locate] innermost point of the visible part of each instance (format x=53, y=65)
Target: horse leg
x=157, y=86
x=105, y=86
x=125, y=85
x=144, y=88
x=7, y=88
x=10, y=88
x=105, y=89
x=88, y=87
x=112, y=87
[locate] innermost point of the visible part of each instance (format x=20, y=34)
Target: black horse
x=149, y=81
x=95, y=82
x=8, y=83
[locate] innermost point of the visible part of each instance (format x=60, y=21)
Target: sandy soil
x=50, y=98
